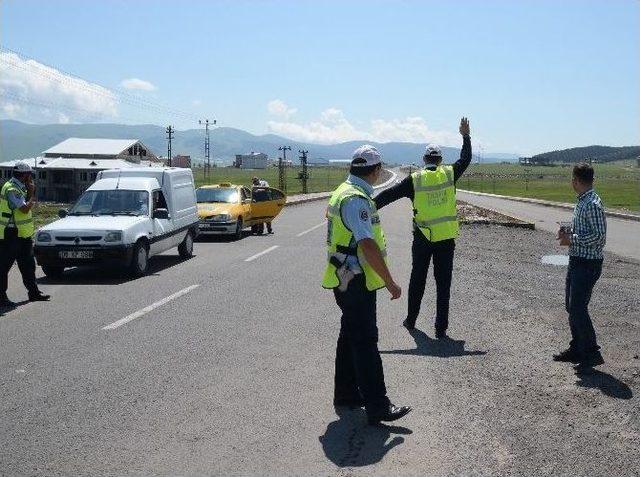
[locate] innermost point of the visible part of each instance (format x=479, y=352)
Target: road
x=622, y=235
x=223, y=365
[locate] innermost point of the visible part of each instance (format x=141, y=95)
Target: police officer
x=17, y=198
x=356, y=268
x=435, y=226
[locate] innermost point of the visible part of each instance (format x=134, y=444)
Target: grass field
x=320, y=178
x=617, y=184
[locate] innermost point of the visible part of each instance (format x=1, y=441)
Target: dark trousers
x=12, y=249
x=269, y=229
x=582, y=275
x=358, y=365
x=422, y=251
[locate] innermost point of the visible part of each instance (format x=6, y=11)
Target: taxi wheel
x=239, y=227
x=185, y=249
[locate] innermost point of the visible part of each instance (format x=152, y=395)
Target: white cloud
x=196, y=102
x=333, y=127
x=136, y=83
x=37, y=93
x=279, y=109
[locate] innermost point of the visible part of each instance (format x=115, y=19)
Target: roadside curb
x=548, y=203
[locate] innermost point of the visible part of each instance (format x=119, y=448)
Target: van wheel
x=239, y=227
x=140, y=259
x=53, y=271
x=185, y=249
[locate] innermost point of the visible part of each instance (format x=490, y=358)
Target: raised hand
x=465, y=130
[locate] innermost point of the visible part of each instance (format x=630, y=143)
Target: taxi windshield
x=112, y=202
x=228, y=196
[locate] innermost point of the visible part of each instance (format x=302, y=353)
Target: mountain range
x=21, y=140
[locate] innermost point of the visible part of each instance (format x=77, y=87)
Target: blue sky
x=532, y=76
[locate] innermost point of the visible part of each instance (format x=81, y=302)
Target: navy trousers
x=582, y=276
x=358, y=371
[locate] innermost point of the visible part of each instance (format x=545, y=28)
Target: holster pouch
x=343, y=273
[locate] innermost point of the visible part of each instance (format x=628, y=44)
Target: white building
x=253, y=160
x=65, y=170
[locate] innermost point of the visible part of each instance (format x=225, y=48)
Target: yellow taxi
x=228, y=208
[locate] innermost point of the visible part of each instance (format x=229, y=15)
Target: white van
x=122, y=219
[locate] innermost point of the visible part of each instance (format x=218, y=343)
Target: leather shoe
x=409, y=325
x=589, y=361
x=567, y=356
x=441, y=334
x=393, y=413
x=39, y=297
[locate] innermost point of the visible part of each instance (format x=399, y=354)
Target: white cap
x=370, y=155
x=433, y=150
x=22, y=167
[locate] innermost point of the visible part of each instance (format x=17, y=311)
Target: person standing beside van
x=17, y=198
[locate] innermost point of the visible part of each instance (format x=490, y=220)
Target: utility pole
x=170, y=132
x=304, y=175
x=282, y=163
x=207, y=147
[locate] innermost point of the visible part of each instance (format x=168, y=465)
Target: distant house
x=181, y=161
x=253, y=160
x=65, y=170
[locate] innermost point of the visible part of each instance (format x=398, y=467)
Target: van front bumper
x=69, y=256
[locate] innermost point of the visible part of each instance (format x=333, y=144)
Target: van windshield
x=112, y=202
x=228, y=196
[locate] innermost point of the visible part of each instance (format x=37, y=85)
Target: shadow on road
x=351, y=442
x=109, y=276
x=444, y=348
x=6, y=309
x=606, y=383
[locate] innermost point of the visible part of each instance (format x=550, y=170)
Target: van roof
x=126, y=183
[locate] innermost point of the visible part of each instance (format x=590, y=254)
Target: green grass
x=321, y=179
x=617, y=184
x=46, y=212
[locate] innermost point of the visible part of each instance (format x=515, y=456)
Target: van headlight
x=113, y=236
x=43, y=237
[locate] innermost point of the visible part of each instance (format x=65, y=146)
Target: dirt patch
x=471, y=214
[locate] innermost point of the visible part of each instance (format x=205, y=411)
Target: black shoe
x=6, y=303
x=410, y=325
x=39, y=297
x=393, y=413
x=589, y=361
x=567, y=356
x=441, y=334
x=351, y=403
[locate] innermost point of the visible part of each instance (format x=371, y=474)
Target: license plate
x=76, y=254
x=205, y=226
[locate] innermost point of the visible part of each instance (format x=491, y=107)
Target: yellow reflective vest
x=341, y=243
x=434, y=203
x=22, y=220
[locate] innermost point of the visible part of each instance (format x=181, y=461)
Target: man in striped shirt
x=586, y=242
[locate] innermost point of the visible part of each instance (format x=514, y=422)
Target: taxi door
x=260, y=205
x=275, y=205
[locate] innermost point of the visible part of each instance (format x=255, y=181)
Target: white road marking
x=311, y=229
x=153, y=306
x=253, y=257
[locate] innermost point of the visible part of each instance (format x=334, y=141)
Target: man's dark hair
x=361, y=171
x=583, y=172
x=435, y=160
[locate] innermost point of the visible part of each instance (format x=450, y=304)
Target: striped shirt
x=589, y=227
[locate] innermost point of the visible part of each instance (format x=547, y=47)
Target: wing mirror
x=62, y=213
x=162, y=214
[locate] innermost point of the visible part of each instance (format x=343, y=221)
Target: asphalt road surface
x=622, y=235
x=223, y=365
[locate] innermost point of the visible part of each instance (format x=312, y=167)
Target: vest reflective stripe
x=340, y=241
x=434, y=203
x=22, y=220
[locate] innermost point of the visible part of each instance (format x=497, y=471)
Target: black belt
x=7, y=214
x=346, y=250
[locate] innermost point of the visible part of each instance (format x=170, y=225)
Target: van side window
x=158, y=200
